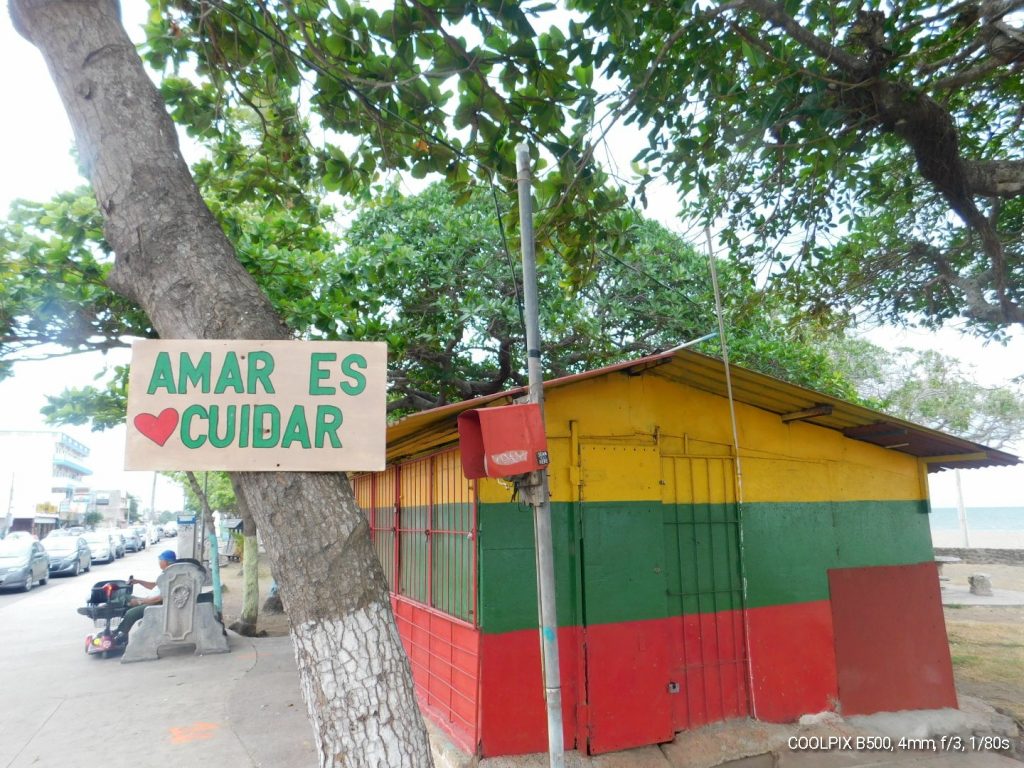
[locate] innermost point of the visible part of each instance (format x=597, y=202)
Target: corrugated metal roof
x=428, y=429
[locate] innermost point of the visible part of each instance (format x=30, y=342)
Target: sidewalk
x=243, y=709
x=956, y=594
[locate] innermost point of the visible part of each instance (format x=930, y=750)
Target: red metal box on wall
x=502, y=441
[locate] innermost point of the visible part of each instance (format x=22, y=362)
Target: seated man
x=133, y=614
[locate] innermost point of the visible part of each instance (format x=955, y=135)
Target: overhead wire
x=737, y=464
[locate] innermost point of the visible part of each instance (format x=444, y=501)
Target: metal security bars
x=702, y=544
x=423, y=520
x=422, y=516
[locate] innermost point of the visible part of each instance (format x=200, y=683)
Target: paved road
x=42, y=663
x=60, y=707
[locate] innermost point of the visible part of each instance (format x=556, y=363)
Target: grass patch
x=963, y=659
x=988, y=659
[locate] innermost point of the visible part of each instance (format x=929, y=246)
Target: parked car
x=155, y=533
x=132, y=541
x=101, y=546
x=23, y=562
x=118, y=539
x=143, y=534
x=23, y=535
x=170, y=530
x=69, y=555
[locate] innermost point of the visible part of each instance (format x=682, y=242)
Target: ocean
x=979, y=519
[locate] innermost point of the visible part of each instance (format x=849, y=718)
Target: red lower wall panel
x=513, y=719
x=485, y=691
x=792, y=659
x=892, y=651
x=445, y=657
x=630, y=672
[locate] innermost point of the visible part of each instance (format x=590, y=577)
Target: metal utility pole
x=152, y=501
x=534, y=489
x=961, y=512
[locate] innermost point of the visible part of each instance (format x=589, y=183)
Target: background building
x=43, y=474
x=114, y=505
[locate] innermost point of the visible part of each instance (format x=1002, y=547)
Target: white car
x=101, y=546
x=117, y=538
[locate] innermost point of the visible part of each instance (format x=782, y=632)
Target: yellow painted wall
x=792, y=461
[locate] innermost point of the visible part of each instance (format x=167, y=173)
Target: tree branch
x=995, y=178
x=775, y=14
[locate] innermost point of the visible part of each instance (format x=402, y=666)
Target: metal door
x=625, y=639
x=704, y=590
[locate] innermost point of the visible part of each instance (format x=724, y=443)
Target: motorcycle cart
x=107, y=605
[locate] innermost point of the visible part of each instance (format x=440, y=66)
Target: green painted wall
x=648, y=560
x=701, y=543
x=790, y=547
x=507, y=566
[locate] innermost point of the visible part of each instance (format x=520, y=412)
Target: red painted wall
x=708, y=662
x=792, y=660
x=445, y=657
x=628, y=701
x=513, y=718
x=628, y=676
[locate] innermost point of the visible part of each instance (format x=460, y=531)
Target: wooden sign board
x=257, y=406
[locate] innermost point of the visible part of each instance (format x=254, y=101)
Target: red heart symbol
x=157, y=428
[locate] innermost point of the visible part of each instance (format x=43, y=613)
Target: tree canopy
x=433, y=278
x=442, y=288
x=216, y=486
x=769, y=138
x=931, y=388
x=866, y=158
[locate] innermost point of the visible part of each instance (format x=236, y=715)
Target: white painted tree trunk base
x=359, y=726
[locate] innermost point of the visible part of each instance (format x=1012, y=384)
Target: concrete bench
x=941, y=560
x=184, y=618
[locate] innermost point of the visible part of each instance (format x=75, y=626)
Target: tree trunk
x=250, y=580
x=173, y=260
x=250, y=572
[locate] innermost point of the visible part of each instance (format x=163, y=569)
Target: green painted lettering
x=230, y=376
x=162, y=376
x=296, y=431
x=358, y=382
x=216, y=439
x=243, y=427
x=264, y=435
x=187, y=440
x=261, y=365
x=317, y=374
x=196, y=375
x=328, y=422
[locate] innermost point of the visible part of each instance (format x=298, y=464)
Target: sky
x=36, y=162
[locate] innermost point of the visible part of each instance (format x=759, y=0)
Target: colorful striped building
x=691, y=587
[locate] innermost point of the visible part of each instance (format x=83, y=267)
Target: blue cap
x=168, y=556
